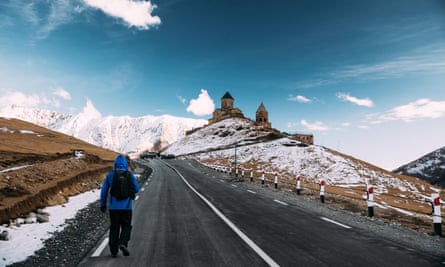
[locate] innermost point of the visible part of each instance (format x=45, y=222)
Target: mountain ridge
x=430, y=167
x=122, y=134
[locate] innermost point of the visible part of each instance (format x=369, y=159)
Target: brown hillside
x=48, y=171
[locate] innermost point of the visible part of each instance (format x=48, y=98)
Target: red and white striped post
x=298, y=185
x=276, y=180
x=370, y=200
x=437, y=219
x=251, y=175
x=236, y=172
x=262, y=178
x=322, y=190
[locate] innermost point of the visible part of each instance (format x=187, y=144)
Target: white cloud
x=426, y=60
x=203, y=105
x=60, y=13
x=9, y=98
x=182, y=99
x=299, y=98
x=420, y=109
x=60, y=92
x=90, y=110
x=134, y=13
x=363, y=127
x=316, y=126
x=365, y=102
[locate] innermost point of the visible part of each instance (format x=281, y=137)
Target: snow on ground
x=15, y=168
x=313, y=163
x=28, y=238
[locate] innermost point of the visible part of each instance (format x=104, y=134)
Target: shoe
x=124, y=250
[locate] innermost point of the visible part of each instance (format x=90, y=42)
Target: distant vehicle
x=149, y=155
x=167, y=156
x=290, y=142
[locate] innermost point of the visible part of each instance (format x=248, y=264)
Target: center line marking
x=281, y=202
x=229, y=223
x=250, y=191
x=234, y=185
x=335, y=222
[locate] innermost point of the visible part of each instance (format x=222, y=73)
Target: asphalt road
x=188, y=215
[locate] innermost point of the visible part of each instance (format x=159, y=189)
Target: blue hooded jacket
x=120, y=164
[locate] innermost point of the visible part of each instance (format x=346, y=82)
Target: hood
x=120, y=163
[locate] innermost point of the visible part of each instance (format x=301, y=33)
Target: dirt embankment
x=37, y=181
x=40, y=167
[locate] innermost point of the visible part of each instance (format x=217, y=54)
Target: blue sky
x=365, y=77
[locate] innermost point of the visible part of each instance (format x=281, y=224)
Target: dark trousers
x=120, y=229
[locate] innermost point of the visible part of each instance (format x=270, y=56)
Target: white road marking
x=222, y=181
x=229, y=223
x=234, y=185
x=335, y=222
x=281, y=202
x=100, y=248
x=250, y=191
x=137, y=197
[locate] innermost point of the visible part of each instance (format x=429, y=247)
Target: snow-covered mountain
x=430, y=167
x=123, y=134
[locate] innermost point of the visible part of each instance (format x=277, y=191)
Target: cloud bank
x=134, y=13
x=420, y=109
x=316, y=126
x=17, y=98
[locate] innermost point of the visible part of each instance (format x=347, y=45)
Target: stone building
x=227, y=110
x=307, y=139
x=262, y=117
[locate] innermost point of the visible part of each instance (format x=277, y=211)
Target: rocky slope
x=430, y=168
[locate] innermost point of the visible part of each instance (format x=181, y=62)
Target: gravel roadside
x=68, y=247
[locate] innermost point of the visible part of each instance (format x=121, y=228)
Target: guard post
x=437, y=219
x=370, y=200
x=276, y=180
x=298, y=185
x=262, y=178
x=322, y=190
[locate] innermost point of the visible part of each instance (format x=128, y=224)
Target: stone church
x=227, y=110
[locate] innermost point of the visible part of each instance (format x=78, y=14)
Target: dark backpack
x=122, y=186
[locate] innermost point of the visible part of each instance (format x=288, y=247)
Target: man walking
x=117, y=192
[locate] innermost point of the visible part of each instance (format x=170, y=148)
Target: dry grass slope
x=50, y=173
